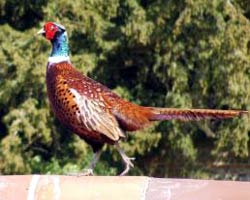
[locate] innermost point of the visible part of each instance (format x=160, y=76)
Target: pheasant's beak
x=40, y=32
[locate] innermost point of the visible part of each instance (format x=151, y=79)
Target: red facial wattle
x=50, y=30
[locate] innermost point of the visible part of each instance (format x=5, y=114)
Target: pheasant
x=94, y=112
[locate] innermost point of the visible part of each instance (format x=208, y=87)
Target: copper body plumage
x=94, y=112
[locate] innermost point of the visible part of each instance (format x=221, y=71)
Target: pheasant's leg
x=126, y=160
x=95, y=159
x=89, y=170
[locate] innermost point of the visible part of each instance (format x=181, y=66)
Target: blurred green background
x=172, y=53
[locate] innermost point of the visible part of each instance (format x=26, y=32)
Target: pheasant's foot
x=86, y=172
x=89, y=171
x=126, y=160
x=128, y=163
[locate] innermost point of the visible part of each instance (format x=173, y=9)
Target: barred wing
x=94, y=116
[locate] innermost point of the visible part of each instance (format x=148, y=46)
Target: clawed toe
x=127, y=160
x=128, y=163
x=87, y=172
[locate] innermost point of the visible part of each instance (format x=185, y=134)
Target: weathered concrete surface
x=43, y=187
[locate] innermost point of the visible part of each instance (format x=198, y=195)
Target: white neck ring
x=58, y=59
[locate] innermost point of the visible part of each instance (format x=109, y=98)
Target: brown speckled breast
x=60, y=79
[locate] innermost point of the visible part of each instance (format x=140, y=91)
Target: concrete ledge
x=39, y=187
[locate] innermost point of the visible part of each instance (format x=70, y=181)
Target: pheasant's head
x=51, y=30
x=57, y=34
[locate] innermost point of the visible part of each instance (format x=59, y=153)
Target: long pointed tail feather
x=192, y=114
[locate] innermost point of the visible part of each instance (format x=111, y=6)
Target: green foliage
x=160, y=53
